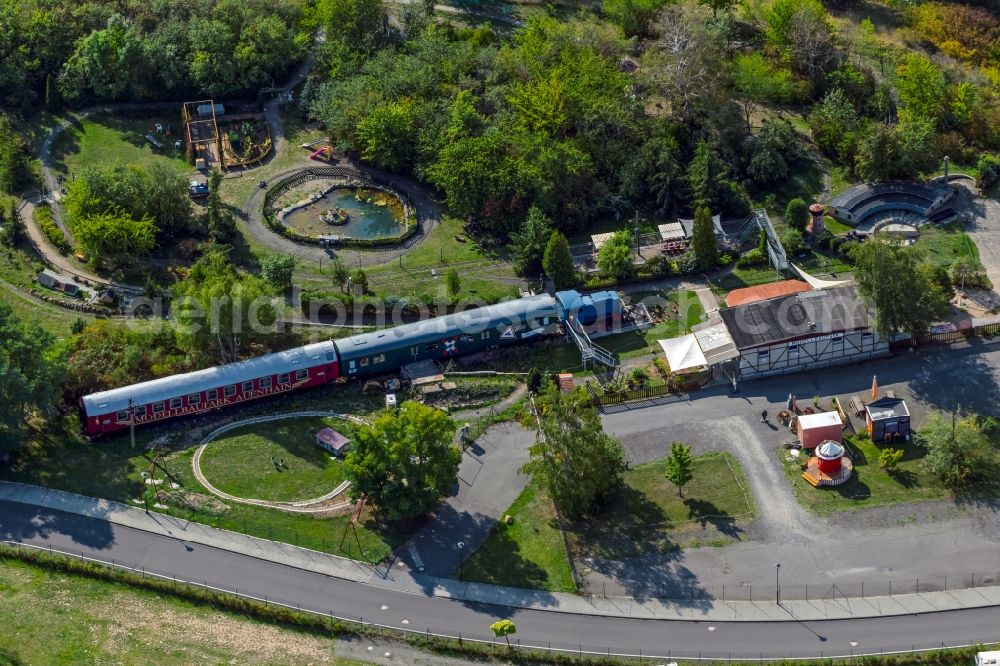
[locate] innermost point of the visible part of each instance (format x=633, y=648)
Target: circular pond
x=348, y=212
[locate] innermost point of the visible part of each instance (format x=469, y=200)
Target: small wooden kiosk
x=888, y=420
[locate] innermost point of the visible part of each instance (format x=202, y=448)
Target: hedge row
x=47, y=224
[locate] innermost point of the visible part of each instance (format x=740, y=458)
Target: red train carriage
x=212, y=388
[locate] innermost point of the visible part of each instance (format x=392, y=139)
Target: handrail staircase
x=588, y=350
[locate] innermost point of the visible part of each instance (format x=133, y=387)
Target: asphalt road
x=223, y=569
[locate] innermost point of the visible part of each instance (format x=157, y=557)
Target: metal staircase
x=750, y=230
x=588, y=350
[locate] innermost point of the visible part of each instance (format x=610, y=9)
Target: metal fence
x=668, y=652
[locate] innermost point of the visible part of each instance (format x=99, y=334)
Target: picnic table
x=857, y=406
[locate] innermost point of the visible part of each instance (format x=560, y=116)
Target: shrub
x=989, y=170
x=47, y=224
x=797, y=214
x=754, y=257
x=792, y=240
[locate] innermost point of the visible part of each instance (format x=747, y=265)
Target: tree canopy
x=404, y=462
x=575, y=459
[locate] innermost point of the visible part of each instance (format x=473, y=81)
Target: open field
x=119, y=138
x=56, y=618
x=527, y=553
x=240, y=462
x=943, y=244
x=649, y=516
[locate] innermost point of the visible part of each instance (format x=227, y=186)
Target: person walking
x=763, y=416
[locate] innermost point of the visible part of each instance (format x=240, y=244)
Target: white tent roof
x=683, y=352
x=819, y=420
x=815, y=282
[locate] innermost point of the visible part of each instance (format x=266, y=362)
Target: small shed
x=888, y=420
x=333, y=441
x=813, y=429
x=57, y=282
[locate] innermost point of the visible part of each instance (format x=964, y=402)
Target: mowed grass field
x=240, y=462
x=120, y=138
x=55, y=618
x=649, y=516
x=530, y=552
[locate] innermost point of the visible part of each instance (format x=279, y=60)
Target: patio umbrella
x=874, y=387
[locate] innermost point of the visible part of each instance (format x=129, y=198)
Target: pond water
x=373, y=214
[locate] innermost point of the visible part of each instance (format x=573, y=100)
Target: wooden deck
x=816, y=478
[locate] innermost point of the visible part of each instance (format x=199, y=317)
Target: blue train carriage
x=598, y=313
x=441, y=338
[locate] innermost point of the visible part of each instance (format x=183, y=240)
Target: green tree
x=792, y=240
x=969, y=272
x=339, y=272
x=964, y=103
x=217, y=309
x=797, y=214
x=957, y=448
x=453, y=282
x=558, y=262
x=904, y=290
x=504, y=629
x=758, y=82
x=710, y=185
x=404, y=462
x=834, y=125
x=278, y=271
x=387, y=135
x=356, y=23
x=921, y=87
x=51, y=93
x=718, y=5
x=615, y=256
x=889, y=459
x=527, y=245
x=680, y=466
x=218, y=220
x=14, y=168
x=114, y=239
x=30, y=377
x=361, y=281
x=703, y=242
x=579, y=464
x=634, y=17
x=899, y=152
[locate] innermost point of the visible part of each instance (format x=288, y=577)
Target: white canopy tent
x=683, y=353
x=815, y=282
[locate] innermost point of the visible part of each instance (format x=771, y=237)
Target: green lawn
x=49, y=617
x=834, y=226
x=19, y=267
x=240, y=462
x=750, y=276
x=870, y=485
x=109, y=139
x=110, y=468
x=689, y=312
x=648, y=516
x=943, y=244
x=528, y=553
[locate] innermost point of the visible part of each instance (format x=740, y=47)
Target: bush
x=989, y=170
x=754, y=257
x=797, y=214
x=792, y=240
x=47, y=224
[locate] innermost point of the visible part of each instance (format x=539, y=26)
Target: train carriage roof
x=175, y=386
x=436, y=329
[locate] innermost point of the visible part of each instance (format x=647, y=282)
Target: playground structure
x=320, y=150
x=243, y=141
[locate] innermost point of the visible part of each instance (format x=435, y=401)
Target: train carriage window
x=265, y=382
x=413, y=351
x=194, y=399
x=121, y=417
x=158, y=407
x=212, y=394
x=431, y=347
x=468, y=338
x=301, y=374
x=229, y=391
x=175, y=403
x=284, y=378
x=378, y=358
x=248, y=387
x=364, y=361
x=486, y=335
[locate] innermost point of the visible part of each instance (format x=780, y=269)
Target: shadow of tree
x=706, y=513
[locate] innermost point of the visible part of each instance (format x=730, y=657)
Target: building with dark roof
x=802, y=331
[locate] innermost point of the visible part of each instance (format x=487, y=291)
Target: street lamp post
x=946, y=168
x=460, y=546
x=777, y=583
